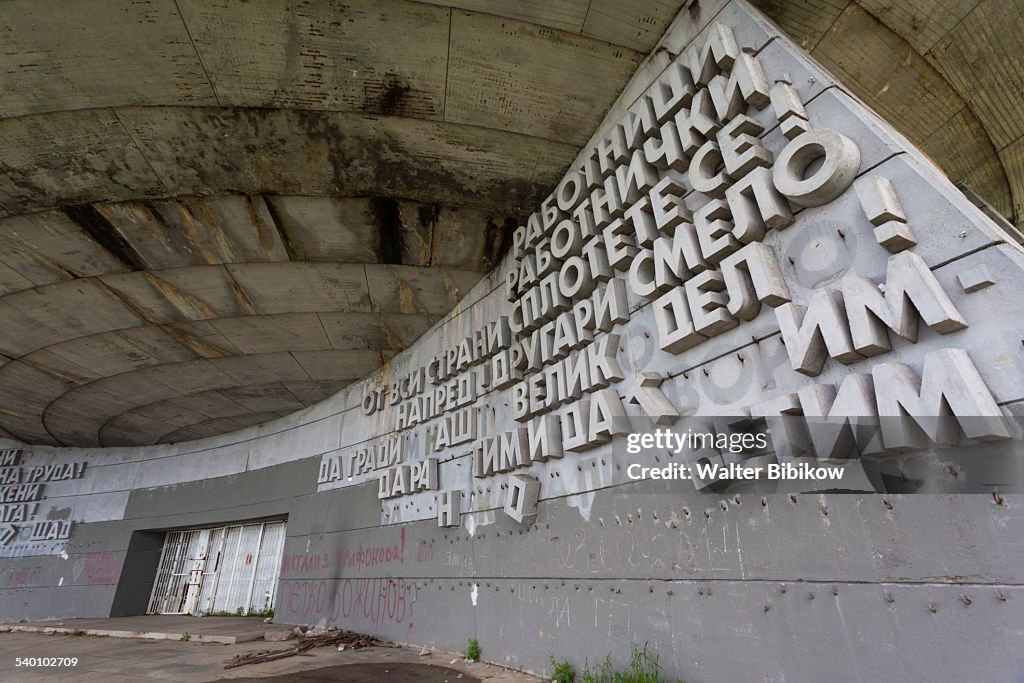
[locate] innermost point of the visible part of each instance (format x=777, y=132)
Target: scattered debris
x=278, y=636
x=424, y=652
x=314, y=638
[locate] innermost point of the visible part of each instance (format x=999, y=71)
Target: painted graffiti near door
x=360, y=557
x=102, y=569
x=353, y=601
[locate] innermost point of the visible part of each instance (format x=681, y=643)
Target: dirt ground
x=372, y=673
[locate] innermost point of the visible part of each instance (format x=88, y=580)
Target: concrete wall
x=791, y=583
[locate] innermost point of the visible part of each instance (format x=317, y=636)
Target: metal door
x=225, y=570
x=179, y=580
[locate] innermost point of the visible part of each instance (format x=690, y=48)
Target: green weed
x=643, y=668
x=473, y=650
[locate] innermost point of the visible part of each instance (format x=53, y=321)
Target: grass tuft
x=643, y=668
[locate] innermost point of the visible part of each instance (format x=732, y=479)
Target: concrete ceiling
x=949, y=74
x=215, y=212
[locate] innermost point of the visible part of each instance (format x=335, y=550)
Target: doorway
x=230, y=569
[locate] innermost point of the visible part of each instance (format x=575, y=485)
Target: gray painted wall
x=789, y=585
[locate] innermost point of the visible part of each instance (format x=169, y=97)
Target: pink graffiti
x=102, y=569
x=20, y=578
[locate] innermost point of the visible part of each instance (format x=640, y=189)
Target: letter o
x=369, y=402
x=840, y=161
x=574, y=278
x=570, y=191
x=566, y=240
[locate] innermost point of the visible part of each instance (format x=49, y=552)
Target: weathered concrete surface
x=123, y=661
x=220, y=630
x=949, y=56
x=325, y=284
x=439, y=143
x=798, y=584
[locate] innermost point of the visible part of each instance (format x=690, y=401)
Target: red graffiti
x=425, y=551
x=372, y=556
x=25, y=576
x=102, y=569
x=300, y=563
x=376, y=601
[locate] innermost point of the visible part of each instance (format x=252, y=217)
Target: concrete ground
x=125, y=659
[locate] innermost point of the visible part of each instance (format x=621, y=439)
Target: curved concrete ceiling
x=214, y=212
x=949, y=75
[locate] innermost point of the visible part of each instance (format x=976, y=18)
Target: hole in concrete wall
x=389, y=248
x=498, y=240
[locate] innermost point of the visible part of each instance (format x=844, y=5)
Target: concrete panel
x=417, y=291
x=915, y=99
x=807, y=22
x=212, y=404
x=108, y=55
x=567, y=15
x=358, y=56
x=203, y=338
x=179, y=294
x=264, y=398
x=470, y=239
x=523, y=78
x=201, y=150
x=416, y=231
x=28, y=429
x=191, y=232
x=75, y=309
x=993, y=86
x=269, y=333
x=327, y=229
x=202, y=430
x=314, y=392
x=373, y=330
x=262, y=368
x=74, y=422
x=243, y=227
x=68, y=158
x=167, y=381
x=964, y=152
x=164, y=412
x=635, y=24
x=111, y=353
x=1013, y=159
x=296, y=287
x=27, y=389
x=918, y=22
x=49, y=247
x=12, y=281
x=327, y=365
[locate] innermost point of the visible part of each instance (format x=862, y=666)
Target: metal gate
x=225, y=570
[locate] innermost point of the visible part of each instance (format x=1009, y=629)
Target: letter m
x=910, y=290
x=949, y=387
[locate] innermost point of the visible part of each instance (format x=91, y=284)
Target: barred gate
x=230, y=569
